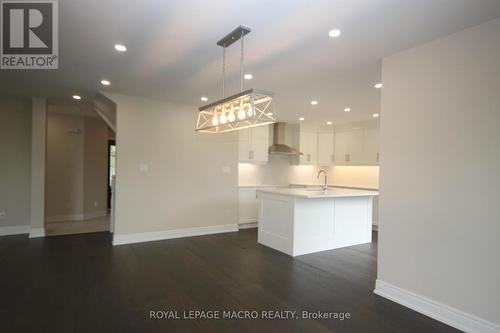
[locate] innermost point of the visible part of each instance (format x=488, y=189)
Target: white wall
x=440, y=171
x=184, y=186
x=64, y=182
x=95, y=167
x=38, y=161
x=76, y=172
x=15, y=161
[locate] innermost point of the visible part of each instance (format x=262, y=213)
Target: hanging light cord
x=223, y=70
x=242, y=65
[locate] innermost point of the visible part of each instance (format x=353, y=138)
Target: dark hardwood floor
x=81, y=283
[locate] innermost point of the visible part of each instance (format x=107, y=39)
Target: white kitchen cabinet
x=349, y=147
x=308, y=146
x=253, y=144
x=248, y=206
x=371, y=146
x=325, y=148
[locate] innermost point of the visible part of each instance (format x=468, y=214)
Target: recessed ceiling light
x=314, y=102
x=347, y=109
x=301, y=118
x=334, y=33
x=375, y=115
x=77, y=97
x=328, y=122
x=204, y=99
x=120, y=48
x=378, y=85
x=248, y=76
x=105, y=82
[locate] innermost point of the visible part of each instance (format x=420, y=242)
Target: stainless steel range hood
x=279, y=146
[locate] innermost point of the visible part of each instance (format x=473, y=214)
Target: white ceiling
x=172, y=53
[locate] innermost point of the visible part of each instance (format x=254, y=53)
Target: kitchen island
x=302, y=221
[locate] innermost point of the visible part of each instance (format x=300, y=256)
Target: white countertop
x=256, y=185
x=360, y=187
x=318, y=194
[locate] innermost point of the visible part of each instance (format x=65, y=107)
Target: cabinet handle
x=249, y=154
x=252, y=154
x=346, y=158
x=333, y=158
x=308, y=157
x=377, y=157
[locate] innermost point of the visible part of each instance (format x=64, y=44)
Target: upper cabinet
x=357, y=146
x=339, y=146
x=253, y=144
x=326, y=148
x=349, y=147
x=308, y=146
x=371, y=145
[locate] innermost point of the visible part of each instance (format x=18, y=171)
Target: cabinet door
x=248, y=205
x=341, y=148
x=259, y=145
x=244, y=152
x=371, y=146
x=308, y=146
x=355, y=143
x=325, y=148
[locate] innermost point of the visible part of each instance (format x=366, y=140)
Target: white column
x=38, y=152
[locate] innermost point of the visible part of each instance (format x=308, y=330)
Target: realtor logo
x=29, y=35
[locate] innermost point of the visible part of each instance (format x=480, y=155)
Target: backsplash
x=278, y=171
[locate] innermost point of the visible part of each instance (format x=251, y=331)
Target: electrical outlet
x=96, y=204
x=2, y=215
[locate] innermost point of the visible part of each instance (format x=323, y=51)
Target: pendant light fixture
x=248, y=108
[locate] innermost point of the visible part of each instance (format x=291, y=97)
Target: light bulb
x=241, y=112
x=223, y=117
x=231, y=117
x=250, y=110
x=215, y=120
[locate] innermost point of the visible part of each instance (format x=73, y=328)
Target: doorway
x=111, y=168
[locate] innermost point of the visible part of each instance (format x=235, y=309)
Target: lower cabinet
x=248, y=207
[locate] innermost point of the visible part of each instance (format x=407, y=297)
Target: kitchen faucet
x=325, y=184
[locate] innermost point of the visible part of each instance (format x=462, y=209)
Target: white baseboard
x=76, y=217
x=169, y=234
x=441, y=312
x=14, y=230
x=93, y=215
x=247, y=225
x=60, y=218
x=37, y=232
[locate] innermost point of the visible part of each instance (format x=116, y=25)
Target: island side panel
x=276, y=222
x=314, y=225
x=353, y=221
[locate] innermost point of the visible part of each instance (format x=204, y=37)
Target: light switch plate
x=2, y=215
x=143, y=167
x=226, y=169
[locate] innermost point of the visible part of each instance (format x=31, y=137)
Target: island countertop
x=319, y=193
